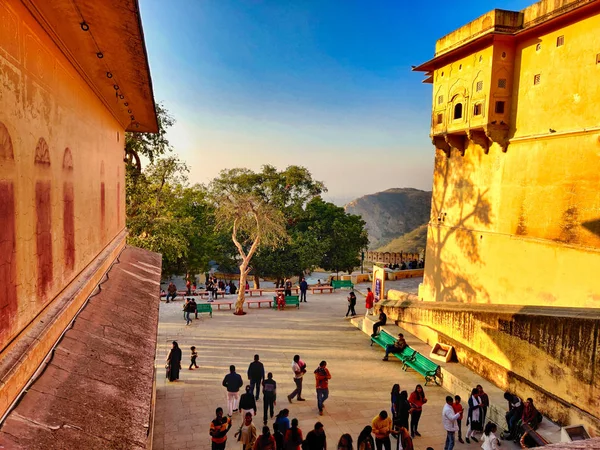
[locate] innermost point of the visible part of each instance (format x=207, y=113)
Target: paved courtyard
x=359, y=388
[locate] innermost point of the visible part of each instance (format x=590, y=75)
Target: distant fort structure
x=511, y=269
x=391, y=257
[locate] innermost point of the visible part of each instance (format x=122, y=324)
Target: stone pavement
x=360, y=385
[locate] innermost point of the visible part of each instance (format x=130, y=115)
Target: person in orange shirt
x=322, y=377
x=219, y=428
x=382, y=428
x=369, y=301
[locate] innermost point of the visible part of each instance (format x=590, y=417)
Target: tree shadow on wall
x=458, y=207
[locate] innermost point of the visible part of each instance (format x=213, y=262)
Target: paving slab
x=360, y=385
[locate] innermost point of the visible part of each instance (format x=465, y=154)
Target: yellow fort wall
x=521, y=227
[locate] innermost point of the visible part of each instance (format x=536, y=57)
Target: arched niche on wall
x=8, y=236
x=43, y=209
x=68, y=211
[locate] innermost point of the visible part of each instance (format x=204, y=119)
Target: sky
x=326, y=84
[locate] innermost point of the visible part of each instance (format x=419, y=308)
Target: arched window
x=458, y=108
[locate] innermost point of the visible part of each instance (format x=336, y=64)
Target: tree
x=166, y=215
x=149, y=145
x=287, y=191
x=253, y=223
x=342, y=236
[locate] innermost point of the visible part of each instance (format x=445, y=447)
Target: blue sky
x=321, y=83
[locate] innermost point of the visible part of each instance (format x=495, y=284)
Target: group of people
x=414, y=264
x=369, y=303
x=233, y=382
x=453, y=414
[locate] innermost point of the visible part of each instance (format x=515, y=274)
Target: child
x=280, y=301
x=458, y=408
x=194, y=356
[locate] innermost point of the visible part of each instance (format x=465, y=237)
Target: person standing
x=322, y=377
x=171, y=291
x=265, y=441
x=219, y=428
x=256, y=375
x=395, y=400
x=316, y=438
x=188, y=309
x=174, y=362
x=369, y=302
x=405, y=442
x=449, y=420
x=293, y=437
x=247, y=433
x=345, y=442
x=458, y=408
x=365, y=440
x=490, y=440
x=417, y=399
x=269, y=395
x=381, y=322
x=403, y=410
x=382, y=428
x=474, y=416
x=351, y=304
x=233, y=382
x=303, y=289
x=299, y=370
x=282, y=420
x=288, y=287
x=188, y=287
x=485, y=403
x=247, y=403
x=193, y=364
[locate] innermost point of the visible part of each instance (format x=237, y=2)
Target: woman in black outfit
x=402, y=410
x=174, y=362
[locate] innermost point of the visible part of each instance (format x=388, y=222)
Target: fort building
x=513, y=244
x=74, y=78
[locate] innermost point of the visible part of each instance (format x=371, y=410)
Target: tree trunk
x=256, y=281
x=239, y=304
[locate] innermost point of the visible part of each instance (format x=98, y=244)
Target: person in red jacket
x=322, y=377
x=369, y=302
x=416, y=399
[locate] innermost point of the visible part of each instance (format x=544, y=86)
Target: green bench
x=336, y=284
x=424, y=366
x=290, y=300
x=410, y=358
x=384, y=339
x=204, y=307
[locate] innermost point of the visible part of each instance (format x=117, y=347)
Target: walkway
x=359, y=389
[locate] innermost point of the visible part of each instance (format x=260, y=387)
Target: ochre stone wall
x=520, y=227
x=61, y=171
x=548, y=354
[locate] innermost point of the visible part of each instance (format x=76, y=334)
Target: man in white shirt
x=449, y=419
x=299, y=369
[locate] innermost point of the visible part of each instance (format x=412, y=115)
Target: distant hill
x=392, y=213
x=412, y=242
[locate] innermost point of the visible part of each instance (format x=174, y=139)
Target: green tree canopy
x=166, y=215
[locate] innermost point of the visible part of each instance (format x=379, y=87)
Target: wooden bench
x=294, y=289
x=219, y=304
x=290, y=300
x=424, y=366
x=258, y=302
x=203, y=294
x=252, y=291
x=384, y=339
x=336, y=284
x=321, y=288
x=204, y=307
